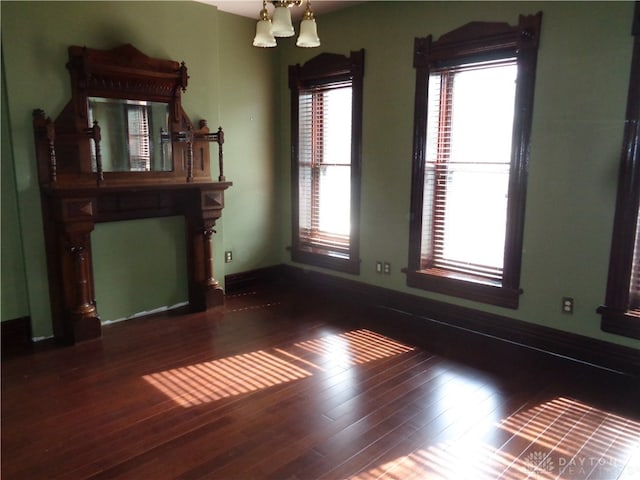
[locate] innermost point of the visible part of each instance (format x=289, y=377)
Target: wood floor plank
x=438, y=431
x=282, y=386
x=309, y=434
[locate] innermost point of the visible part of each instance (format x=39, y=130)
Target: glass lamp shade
x=308, y=34
x=264, y=36
x=282, y=26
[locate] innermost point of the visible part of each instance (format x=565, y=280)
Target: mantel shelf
x=109, y=189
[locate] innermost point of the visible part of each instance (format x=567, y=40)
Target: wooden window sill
x=625, y=323
x=471, y=288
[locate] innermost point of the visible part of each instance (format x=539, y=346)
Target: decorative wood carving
x=463, y=41
x=76, y=193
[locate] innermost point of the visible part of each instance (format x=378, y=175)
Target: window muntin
x=469, y=133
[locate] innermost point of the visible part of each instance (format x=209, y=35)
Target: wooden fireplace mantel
x=90, y=172
x=70, y=215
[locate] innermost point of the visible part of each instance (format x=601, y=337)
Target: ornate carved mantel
x=77, y=191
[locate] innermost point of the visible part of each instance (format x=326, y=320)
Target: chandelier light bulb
x=308, y=30
x=280, y=25
x=264, y=30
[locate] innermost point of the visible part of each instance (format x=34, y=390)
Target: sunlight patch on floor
x=574, y=440
x=209, y=381
x=206, y=382
x=445, y=461
x=354, y=347
x=561, y=439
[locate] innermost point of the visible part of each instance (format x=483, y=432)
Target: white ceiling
x=251, y=8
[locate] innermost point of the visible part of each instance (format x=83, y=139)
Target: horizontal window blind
x=468, y=155
x=139, y=140
x=324, y=168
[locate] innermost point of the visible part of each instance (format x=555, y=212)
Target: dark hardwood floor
x=286, y=386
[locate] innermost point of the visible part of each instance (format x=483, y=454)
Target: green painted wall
x=577, y=131
x=14, y=303
x=35, y=38
x=248, y=106
x=580, y=98
x=140, y=266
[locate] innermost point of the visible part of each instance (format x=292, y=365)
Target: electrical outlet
x=228, y=256
x=378, y=267
x=567, y=305
x=386, y=268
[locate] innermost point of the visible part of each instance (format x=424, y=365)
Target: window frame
x=475, y=42
x=328, y=69
x=617, y=315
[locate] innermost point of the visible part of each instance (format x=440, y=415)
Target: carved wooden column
x=207, y=233
x=83, y=305
x=83, y=322
x=205, y=291
x=213, y=291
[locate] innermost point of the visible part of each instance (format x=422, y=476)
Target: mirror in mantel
x=135, y=135
x=124, y=125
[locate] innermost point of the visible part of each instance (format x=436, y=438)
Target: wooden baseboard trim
x=240, y=281
x=16, y=336
x=422, y=315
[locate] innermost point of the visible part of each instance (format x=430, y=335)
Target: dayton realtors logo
x=537, y=462
x=540, y=464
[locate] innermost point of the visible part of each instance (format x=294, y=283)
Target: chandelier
x=280, y=25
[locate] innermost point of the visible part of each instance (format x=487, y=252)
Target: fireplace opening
x=139, y=267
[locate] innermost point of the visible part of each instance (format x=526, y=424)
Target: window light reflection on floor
x=354, y=347
x=444, y=461
x=240, y=374
x=575, y=438
x=570, y=440
x=209, y=381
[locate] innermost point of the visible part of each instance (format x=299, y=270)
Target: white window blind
x=468, y=155
x=324, y=168
x=139, y=138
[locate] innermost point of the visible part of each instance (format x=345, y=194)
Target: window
x=467, y=169
x=473, y=105
x=326, y=131
x=621, y=312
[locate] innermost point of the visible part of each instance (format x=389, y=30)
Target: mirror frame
x=120, y=73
